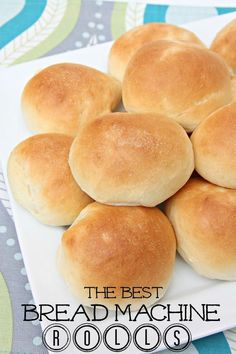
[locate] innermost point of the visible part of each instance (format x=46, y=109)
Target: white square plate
x=39, y=243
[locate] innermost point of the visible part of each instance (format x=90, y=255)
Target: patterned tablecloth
x=30, y=29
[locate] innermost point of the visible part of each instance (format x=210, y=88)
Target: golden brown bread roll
x=181, y=80
x=41, y=180
x=117, y=247
x=225, y=44
x=131, y=159
x=130, y=42
x=203, y=217
x=214, y=143
x=62, y=97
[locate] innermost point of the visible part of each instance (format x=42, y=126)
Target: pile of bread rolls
x=104, y=172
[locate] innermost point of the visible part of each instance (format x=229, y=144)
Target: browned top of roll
x=131, y=159
x=130, y=42
x=62, y=97
x=182, y=80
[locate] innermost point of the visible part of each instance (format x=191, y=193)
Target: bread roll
x=62, y=97
x=41, y=180
x=203, y=217
x=182, y=80
x=225, y=44
x=214, y=143
x=131, y=159
x=130, y=42
x=118, y=247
